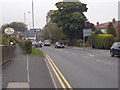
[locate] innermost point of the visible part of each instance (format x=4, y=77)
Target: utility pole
x=25, y=18
x=33, y=16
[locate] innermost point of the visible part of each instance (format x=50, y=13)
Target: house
x=36, y=34
x=17, y=35
x=29, y=35
x=39, y=35
x=104, y=26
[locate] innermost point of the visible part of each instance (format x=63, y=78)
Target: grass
x=36, y=52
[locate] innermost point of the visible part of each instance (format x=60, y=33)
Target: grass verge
x=36, y=52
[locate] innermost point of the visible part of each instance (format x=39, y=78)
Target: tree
x=71, y=18
x=111, y=29
x=53, y=32
x=17, y=26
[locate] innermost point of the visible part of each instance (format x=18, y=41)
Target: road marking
x=108, y=63
x=91, y=55
x=55, y=85
x=18, y=85
x=62, y=84
x=28, y=76
x=69, y=86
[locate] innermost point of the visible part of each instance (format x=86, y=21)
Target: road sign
x=87, y=32
x=9, y=30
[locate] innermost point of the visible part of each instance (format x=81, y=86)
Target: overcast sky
x=13, y=10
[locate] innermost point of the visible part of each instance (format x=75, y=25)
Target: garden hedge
x=102, y=41
x=26, y=45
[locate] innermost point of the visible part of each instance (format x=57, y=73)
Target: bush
x=104, y=41
x=26, y=45
x=5, y=40
x=94, y=42
x=117, y=39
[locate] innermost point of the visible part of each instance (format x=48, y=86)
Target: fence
x=6, y=53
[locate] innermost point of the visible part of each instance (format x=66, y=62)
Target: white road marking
x=91, y=55
x=104, y=62
x=85, y=57
x=18, y=85
x=28, y=76
x=55, y=85
x=77, y=48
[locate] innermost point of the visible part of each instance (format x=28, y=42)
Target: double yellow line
x=58, y=74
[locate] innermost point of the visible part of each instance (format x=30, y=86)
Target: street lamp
x=33, y=14
x=25, y=17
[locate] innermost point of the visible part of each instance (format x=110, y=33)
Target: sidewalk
x=26, y=69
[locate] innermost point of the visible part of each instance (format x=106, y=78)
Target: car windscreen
x=118, y=44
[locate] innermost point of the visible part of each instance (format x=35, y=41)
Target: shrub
x=26, y=45
x=5, y=40
x=104, y=41
x=94, y=42
x=117, y=39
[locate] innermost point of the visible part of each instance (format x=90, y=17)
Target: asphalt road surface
x=82, y=67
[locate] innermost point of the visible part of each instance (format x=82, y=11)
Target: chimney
x=113, y=21
x=97, y=23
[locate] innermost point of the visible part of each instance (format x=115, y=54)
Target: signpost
x=87, y=33
x=9, y=31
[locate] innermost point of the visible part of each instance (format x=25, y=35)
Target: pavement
x=84, y=67
x=26, y=72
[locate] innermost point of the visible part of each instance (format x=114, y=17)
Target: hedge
x=26, y=45
x=117, y=39
x=102, y=41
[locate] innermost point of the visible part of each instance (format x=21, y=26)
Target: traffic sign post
x=87, y=33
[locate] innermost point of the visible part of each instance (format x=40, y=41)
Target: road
x=83, y=67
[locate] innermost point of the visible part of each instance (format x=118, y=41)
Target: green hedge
x=5, y=40
x=26, y=45
x=117, y=39
x=102, y=41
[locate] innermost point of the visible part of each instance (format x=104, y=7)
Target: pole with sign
x=87, y=33
x=9, y=31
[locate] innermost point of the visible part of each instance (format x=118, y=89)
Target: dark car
x=115, y=49
x=59, y=45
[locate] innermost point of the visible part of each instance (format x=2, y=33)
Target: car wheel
x=111, y=54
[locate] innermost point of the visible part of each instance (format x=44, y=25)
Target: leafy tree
x=53, y=32
x=17, y=26
x=71, y=18
x=111, y=29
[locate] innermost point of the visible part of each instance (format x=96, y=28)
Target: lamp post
x=25, y=17
x=33, y=18
x=33, y=14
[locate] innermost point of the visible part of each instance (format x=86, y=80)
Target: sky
x=13, y=10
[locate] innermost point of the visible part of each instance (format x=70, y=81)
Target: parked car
x=38, y=44
x=47, y=43
x=59, y=45
x=115, y=49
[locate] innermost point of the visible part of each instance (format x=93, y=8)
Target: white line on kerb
x=55, y=85
x=28, y=76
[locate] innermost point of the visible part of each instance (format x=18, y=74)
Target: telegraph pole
x=33, y=14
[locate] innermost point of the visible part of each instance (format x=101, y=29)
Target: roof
x=116, y=25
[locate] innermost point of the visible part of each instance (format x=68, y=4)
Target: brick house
x=104, y=26
x=17, y=34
